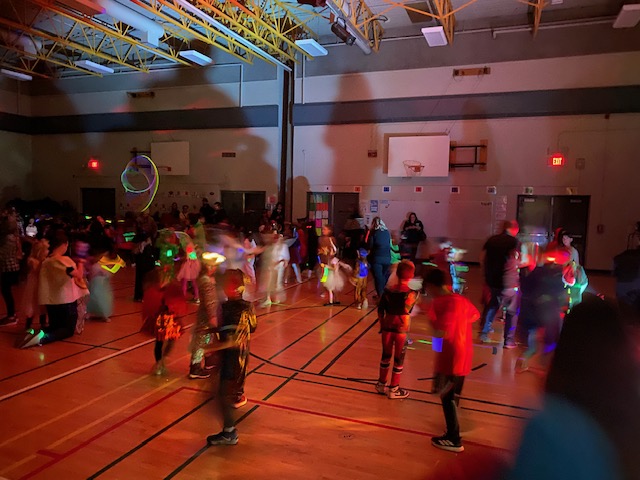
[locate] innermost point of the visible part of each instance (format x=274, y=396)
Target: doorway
x=540, y=215
x=99, y=201
x=244, y=209
x=331, y=209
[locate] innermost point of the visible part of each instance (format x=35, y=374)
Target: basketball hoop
x=413, y=168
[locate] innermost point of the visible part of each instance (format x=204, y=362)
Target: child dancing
x=206, y=317
x=30, y=304
x=238, y=320
x=359, y=279
x=452, y=315
x=394, y=311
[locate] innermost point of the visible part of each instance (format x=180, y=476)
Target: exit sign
x=556, y=160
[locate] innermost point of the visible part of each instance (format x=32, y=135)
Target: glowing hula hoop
x=152, y=179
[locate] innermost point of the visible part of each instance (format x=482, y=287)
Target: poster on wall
x=373, y=206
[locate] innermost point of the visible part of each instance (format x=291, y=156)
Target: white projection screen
x=419, y=156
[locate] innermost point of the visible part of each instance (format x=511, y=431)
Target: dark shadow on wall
x=60, y=159
x=348, y=136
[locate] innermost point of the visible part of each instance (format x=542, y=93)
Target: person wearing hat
x=359, y=279
x=206, y=318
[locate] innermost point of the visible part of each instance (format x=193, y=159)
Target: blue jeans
x=380, y=273
x=507, y=299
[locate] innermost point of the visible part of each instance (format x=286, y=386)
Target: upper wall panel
x=480, y=47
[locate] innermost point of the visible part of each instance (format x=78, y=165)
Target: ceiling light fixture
x=17, y=75
x=435, y=36
x=312, y=47
x=628, y=17
x=342, y=33
x=93, y=66
x=196, y=57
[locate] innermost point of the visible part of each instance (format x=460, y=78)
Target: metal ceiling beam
x=21, y=54
x=268, y=23
x=537, y=6
x=117, y=31
x=446, y=18
x=24, y=67
x=360, y=22
x=63, y=41
x=217, y=25
x=182, y=25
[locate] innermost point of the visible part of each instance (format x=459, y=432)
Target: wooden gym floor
x=88, y=407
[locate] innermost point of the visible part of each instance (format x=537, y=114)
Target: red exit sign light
x=556, y=160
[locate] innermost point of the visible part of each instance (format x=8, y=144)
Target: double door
x=540, y=215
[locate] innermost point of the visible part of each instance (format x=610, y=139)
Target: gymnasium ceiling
x=53, y=38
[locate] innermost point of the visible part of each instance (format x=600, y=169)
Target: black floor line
x=90, y=345
x=370, y=391
x=348, y=347
x=243, y=417
x=47, y=364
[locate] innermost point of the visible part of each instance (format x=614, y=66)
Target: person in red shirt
x=394, y=316
x=452, y=316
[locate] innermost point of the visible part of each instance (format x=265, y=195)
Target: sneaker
x=409, y=341
x=358, y=307
x=223, y=438
x=484, y=339
x=522, y=365
x=198, y=372
x=396, y=393
x=209, y=362
x=159, y=369
x=448, y=444
x=380, y=387
x=32, y=339
x=8, y=321
x=509, y=344
x=240, y=402
x=365, y=304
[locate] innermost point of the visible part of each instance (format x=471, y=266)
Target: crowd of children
x=69, y=272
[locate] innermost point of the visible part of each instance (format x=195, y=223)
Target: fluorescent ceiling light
x=312, y=47
x=93, y=66
x=435, y=36
x=196, y=57
x=17, y=75
x=628, y=17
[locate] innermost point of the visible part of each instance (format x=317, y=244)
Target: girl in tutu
x=100, y=303
x=189, y=271
x=333, y=279
x=30, y=304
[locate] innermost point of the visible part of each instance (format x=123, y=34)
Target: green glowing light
x=169, y=253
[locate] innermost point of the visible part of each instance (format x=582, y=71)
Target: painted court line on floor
x=74, y=370
x=361, y=422
x=56, y=458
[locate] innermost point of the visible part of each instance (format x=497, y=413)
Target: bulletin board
x=319, y=206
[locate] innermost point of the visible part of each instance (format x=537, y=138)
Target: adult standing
x=277, y=216
x=379, y=246
x=412, y=235
x=10, y=255
x=500, y=259
x=207, y=210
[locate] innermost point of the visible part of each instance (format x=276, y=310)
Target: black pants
x=62, y=322
x=7, y=281
x=450, y=397
x=141, y=272
x=233, y=372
